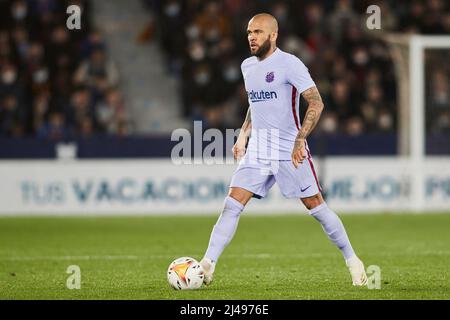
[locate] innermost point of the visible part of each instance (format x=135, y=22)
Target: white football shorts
x=258, y=176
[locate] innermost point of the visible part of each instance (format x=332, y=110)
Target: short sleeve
x=298, y=75
x=244, y=66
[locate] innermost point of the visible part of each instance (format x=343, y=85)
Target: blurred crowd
x=58, y=84
x=55, y=83
x=205, y=41
x=437, y=91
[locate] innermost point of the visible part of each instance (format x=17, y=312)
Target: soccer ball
x=185, y=274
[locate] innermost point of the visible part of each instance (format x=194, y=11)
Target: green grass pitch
x=271, y=257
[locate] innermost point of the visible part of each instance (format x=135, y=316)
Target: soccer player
x=277, y=150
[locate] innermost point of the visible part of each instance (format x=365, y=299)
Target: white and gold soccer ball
x=185, y=274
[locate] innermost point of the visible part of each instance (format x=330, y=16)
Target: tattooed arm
x=239, y=147
x=315, y=107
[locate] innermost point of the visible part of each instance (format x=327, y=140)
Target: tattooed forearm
x=315, y=107
x=311, y=119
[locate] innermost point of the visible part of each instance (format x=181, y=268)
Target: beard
x=263, y=49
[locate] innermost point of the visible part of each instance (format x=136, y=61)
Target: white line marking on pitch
x=156, y=256
x=173, y=256
x=63, y=258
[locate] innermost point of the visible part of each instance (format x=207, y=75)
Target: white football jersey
x=273, y=87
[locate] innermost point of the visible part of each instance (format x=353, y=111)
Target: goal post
x=408, y=52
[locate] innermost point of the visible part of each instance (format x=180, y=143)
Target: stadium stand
x=55, y=84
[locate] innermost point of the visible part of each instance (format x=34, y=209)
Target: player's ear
x=274, y=36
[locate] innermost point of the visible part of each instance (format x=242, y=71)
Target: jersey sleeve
x=298, y=75
x=244, y=67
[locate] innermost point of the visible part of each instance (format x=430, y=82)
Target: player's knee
x=240, y=195
x=313, y=202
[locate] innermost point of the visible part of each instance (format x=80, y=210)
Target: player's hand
x=299, y=152
x=239, y=148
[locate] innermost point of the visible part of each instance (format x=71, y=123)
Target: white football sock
x=224, y=229
x=334, y=229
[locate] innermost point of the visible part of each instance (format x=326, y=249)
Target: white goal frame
x=417, y=130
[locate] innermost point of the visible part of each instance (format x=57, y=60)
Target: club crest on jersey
x=270, y=77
